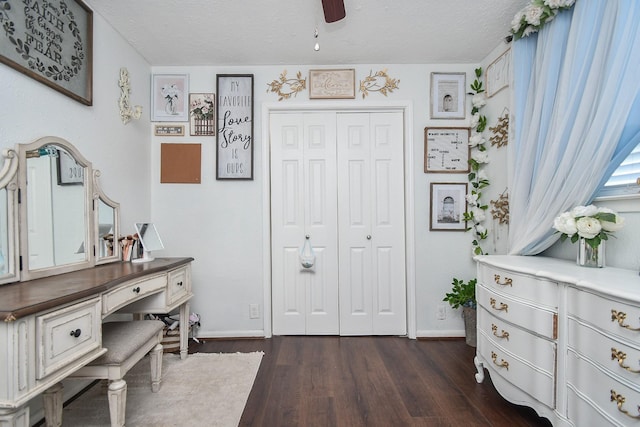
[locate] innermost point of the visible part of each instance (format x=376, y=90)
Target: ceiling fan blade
x=333, y=10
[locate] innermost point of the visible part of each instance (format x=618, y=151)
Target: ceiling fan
x=333, y=10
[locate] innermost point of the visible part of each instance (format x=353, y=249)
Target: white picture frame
x=448, y=206
x=448, y=95
x=498, y=74
x=170, y=98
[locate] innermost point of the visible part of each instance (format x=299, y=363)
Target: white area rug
x=206, y=389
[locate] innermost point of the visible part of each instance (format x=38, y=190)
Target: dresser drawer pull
x=620, y=317
x=504, y=334
x=502, y=307
x=503, y=363
x=619, y=399
x=620, y=356
x=179, y=283
x=507, y=280
x=75, y=333
x=136, y=290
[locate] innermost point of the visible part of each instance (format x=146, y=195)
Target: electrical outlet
x=254, y=311
x=442, y=312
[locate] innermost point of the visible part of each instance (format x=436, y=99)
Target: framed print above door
x=234, y=152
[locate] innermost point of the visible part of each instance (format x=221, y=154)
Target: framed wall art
x=498, y=73
x=446, y=150
x=168, y=130
x=56, y=49
x=332, y=84
x=448, y=95
x=69, y=171
x=202, y=117
x=170, y=98
x=448, y=206
x=235, y=126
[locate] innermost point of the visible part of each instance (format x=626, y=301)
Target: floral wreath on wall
x=533, y=17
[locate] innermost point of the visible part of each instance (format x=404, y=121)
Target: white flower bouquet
x=591, y=223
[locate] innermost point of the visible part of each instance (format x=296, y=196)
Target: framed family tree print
x=446, y=150
x=448, y=206
x=234, y=126
x=447, y=95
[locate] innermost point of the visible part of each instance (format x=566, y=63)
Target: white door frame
x=407, y=109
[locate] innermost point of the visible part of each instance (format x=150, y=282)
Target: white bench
x=127, y=343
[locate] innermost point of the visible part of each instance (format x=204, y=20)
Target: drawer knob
x=504, y=334
x=179, y=283
x=507, y=280
x=503, y=307
x=75, y=333
x=620, y=317
x=619, y=399
x=136, y=290
x=620, y=356
x=503, y=363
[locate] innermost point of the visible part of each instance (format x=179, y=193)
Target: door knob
x=368, y=236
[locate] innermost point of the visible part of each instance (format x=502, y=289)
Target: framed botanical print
x=448, y=206
x=446, y=150
x=170, y=98
x=448, y=95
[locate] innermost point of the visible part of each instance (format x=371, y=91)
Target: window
x=626, y=179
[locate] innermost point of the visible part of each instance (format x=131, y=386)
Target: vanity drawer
x=517, y=341
x=619, y=358
x=537, y=383
x=66, y=335
x=612, y=316
x=535, y=289
x=608, y=395
x=132, y=291
x=539, y=320
x=179, y=284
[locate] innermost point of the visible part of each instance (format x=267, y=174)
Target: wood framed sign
x=332, y=84
x=52, y=42
x=446, y=150
x=235, y=126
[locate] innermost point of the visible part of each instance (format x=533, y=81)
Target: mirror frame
x=98, y=196
x=89, y=261
x=9, y=181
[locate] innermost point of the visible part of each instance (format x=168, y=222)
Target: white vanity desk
x=562, y=339
x=52, y=326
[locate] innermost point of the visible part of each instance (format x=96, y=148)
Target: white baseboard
x=451, y=333
x=203, y=334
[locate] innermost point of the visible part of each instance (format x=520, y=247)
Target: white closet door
x=371, y=224
x=303, y=203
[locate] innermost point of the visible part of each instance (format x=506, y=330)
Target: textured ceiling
x=273, y=32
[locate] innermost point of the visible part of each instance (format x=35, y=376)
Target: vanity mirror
x=9, y=267
x=65, y=219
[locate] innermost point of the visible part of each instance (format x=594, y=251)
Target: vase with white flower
x=590, y=226
x=171, y=94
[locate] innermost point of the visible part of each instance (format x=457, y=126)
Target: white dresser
x=562, y=339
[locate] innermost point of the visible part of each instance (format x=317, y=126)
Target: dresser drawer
x=518, y=341
x=66, y=335
x=620, y=358
x=612, y=316
x=535, y=289
x=607, y=395
x=132, y=291
x=539, y=320
x=179, y=284
x=537, y=383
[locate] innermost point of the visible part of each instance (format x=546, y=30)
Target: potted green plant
x=463, y=294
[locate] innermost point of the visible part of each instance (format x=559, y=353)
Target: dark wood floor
x=369, y=381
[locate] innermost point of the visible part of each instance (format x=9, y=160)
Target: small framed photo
x=168, y=130
x=202, y=117
x=69, y=171
x=446, y=150
x=448, y=95
x=497, y=74
x=448, y=206
x=170, y=98
x=332, y=84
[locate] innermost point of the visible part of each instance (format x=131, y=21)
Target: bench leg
x=156, y=367
x=117, y=402
x=52, y=400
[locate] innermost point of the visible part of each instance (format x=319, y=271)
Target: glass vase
x=589, y=256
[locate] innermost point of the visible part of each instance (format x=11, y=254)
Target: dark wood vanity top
x=24, y=298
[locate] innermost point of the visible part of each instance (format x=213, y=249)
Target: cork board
x=180, y=163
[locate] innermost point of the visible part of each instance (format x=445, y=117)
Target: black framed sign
x=52, y=42
x=234, y=153
x=69, y=171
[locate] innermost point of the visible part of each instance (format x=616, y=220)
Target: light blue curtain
x=576, y=86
